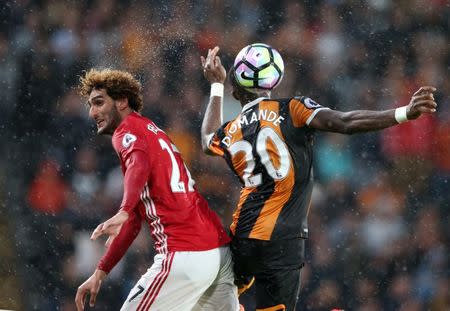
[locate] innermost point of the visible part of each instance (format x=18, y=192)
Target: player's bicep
x=329, y=120
x=137, y=159
x=136, y=176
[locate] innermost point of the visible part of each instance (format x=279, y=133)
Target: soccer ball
x=258, y=66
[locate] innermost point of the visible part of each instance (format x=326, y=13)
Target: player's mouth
x=100, y=123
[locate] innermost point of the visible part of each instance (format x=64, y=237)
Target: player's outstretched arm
x=216, y=74
x=357, y=121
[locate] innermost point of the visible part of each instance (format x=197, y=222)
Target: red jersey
x=178, y=216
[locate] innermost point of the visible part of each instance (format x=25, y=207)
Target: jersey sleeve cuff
x=126, y=208
x=102, y=266
x=311, y=117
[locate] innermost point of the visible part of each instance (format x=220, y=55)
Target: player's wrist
x=401, y=114
x=100, y=274
x=125, y=211
x=217, y=89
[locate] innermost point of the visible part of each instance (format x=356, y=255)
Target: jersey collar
x=122, y=123
x=252, y=103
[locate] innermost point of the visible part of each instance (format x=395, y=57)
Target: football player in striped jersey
x=269, y=146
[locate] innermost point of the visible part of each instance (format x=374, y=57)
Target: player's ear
x=235, y=95
x=122, y=103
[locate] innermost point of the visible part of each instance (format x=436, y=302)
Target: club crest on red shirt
x=128, y=139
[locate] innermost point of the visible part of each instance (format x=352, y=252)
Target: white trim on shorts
x=155, y=286
x=190, y=280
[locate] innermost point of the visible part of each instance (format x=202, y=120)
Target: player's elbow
x=205, y=148
x=349, y=129
x=341, y=127
x=337, y=122
x=347, y=125
x=206, y=138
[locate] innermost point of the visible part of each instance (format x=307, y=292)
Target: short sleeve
x=215, y=144
x=303, y=109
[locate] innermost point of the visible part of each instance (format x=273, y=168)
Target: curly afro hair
x=118, y=84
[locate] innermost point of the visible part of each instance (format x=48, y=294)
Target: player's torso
x=178, y=216
x=273, y=159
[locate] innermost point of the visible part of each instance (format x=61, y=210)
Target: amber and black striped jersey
x=269, y=147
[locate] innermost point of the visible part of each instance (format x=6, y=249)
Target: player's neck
x=251, y=97
x=125, y=113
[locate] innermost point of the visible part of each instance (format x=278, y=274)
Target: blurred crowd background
x=379, y=221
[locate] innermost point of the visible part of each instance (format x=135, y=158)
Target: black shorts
x=276, y=267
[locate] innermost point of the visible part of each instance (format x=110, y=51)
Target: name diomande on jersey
x=265, y=115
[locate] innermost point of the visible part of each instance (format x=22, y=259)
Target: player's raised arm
x=357, y=121
x=216, y=74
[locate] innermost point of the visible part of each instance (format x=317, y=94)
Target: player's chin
x=102, y=130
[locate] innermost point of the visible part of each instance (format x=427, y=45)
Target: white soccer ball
x=258, y=66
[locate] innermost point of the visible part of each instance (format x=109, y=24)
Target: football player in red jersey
x=269, y=147
x=193, y=265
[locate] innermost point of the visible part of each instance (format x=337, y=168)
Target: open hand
x=422, y=101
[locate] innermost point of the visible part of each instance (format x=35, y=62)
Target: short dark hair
x=118, y=84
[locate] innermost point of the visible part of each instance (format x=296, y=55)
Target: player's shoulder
x=134, y=123
x=308, y=102
x=291, y=100
x=129, y=130
x=135, y=120
x=284, y=100
x=302, y=101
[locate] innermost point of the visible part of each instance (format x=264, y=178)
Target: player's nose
x=93, y=112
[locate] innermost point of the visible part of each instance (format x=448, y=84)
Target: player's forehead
x=97, y=93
